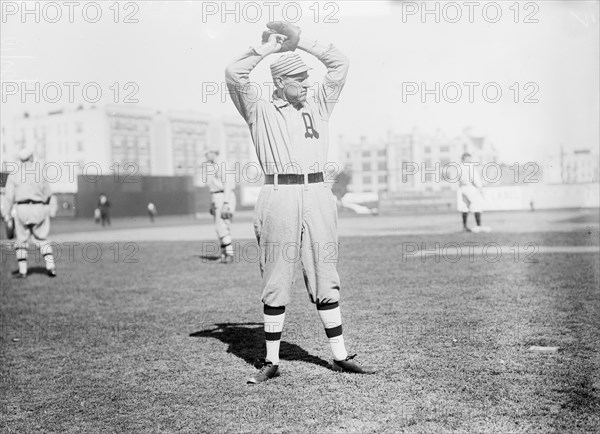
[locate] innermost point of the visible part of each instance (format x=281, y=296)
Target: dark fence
x=130, y=195
x=65, y=205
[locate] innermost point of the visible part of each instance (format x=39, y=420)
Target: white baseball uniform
x=30, y=194
x=468, y=195
x=220, y=195
x=295, y=223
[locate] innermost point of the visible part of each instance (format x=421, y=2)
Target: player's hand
x=291, y=32
x=226, y=213
x=213, y=209
x=273, y=41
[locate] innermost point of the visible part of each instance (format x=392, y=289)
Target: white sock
x=46, y=251
x=21, y=254
x=274, y=318
x=331, y=317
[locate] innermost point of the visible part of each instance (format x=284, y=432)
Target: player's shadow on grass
x=246, y=341
x=32, y=270
x=206, y=258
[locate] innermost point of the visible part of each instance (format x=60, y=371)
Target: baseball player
x=222, y=203
x=7, y=216
x=104, y=207
x=295, y=214
x=152, y=211
x=30, y=195
x=469, y=197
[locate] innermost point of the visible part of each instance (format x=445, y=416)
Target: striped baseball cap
x=288, y=64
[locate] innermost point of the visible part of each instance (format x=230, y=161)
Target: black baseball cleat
x=226, y=259
x=347, y=365
x=267, y=371
x=466, y=229
x=51, y=273
x=19, y=275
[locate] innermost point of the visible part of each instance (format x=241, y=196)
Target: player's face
x=295, y=87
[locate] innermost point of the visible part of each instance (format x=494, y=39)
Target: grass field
x=163, y=339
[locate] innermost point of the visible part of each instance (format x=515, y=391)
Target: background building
x=412, y=162
x=182, y=138
x=123, y=140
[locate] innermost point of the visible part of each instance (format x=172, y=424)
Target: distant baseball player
x=30, y=195
x=152, y=211
x=469, y=197
x=7, y=217
x=222, y=203
x=104, y=207
x=295, y=214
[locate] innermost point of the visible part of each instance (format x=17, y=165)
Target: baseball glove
x=212, y=209
x=291, y=31
x=226, y=213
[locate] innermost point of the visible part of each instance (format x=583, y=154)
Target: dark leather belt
x=294, y=178
x=220, y=191
x=31, y=202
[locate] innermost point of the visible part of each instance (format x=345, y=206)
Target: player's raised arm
x=237, y=76
x=337, y=68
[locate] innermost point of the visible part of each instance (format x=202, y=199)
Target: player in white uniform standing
x=295, y=215
x=469, y=197
x=222, y=204
x=30, y=194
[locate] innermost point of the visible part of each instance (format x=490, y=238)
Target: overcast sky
x=175, y=51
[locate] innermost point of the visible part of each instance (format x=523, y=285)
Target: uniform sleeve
x=337, y=66
x=245, y=95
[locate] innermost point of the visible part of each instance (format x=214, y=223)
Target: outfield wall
x=499, y=198
x=542, y=196
x=130, y=195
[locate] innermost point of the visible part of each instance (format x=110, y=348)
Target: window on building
x=366, y=154
x=366, y=167
x=382, y=179
x=381, y=153
x=427, y=149
x=80, y=145
x=444, y=148
x=367, y=179
x=382, y=165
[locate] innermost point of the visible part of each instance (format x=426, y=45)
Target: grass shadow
x=245, y=340
x=31, y=270
x=208, y=257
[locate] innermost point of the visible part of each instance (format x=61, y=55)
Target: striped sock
x=332, y=321
x=274, y=318
x=46, y=251
x=21, y=254
x=226, y=246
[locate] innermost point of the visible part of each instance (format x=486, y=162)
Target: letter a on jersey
x=310, y=129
